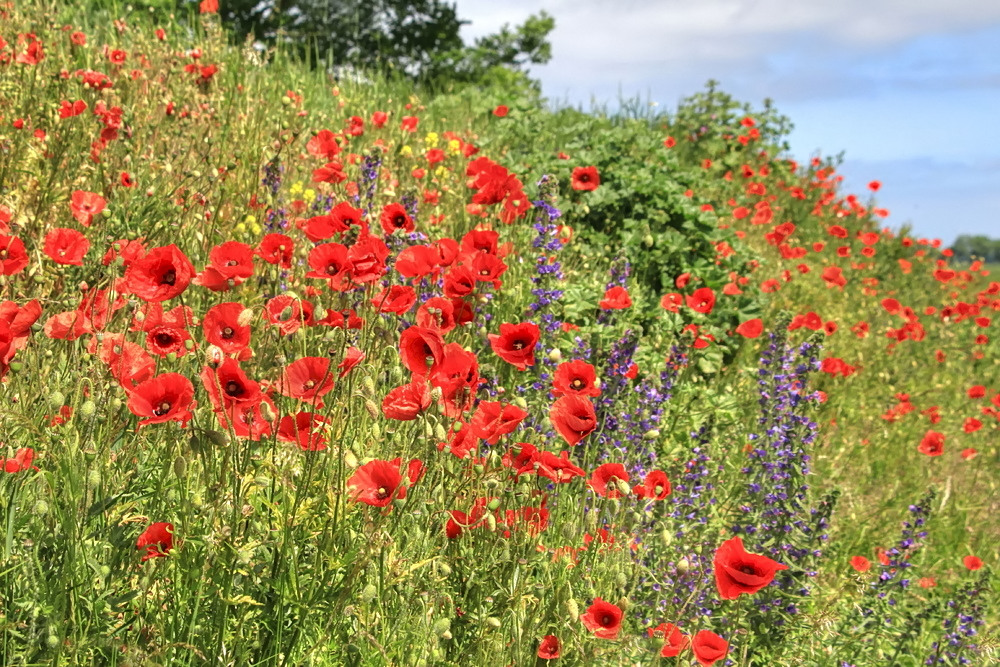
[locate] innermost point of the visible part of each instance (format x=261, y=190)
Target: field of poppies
x=307, y=371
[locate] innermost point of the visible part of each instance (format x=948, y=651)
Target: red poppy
x=394, y=217
x=573, y=417
x=416, y=261
x=751, y=328
x=604, y=480
x=227, y=326
x=13, y=256
x=493, y=420
x=738, y=572
x=702, y=300
x=129, y=251
x=157, y=540
x=655, y=486
x=396, y=299
x=276, y=249
x=230, y=263
x=66, y=246
x=304, y=429
x=575, y=377
x=367, y=257
x=406, y=402
x=306, y=379
x=289, y=314
x=437, y=314
x=671, y=302
x=331, y=172
x=603, y=619
x=421, y=349
x=516, y=343
x=20, y=462
x=616, y=298
x=708, y=647
x=972, y=563
x=330, y=262
x=861, y=564
x=161, y=275
x=85, y=205
x=162, y=341
x=163, y=398
x=500, y=112
x=228, y=386
x=586, y=179
x=676, y=641
x=323, y=145
x=378, y=483
x=932, y=444
x=379, y=119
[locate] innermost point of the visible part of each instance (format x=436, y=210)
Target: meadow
x=307, y=370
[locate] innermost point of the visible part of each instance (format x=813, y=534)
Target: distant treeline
x=967, y=247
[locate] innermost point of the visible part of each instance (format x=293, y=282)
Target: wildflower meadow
x=311, y=370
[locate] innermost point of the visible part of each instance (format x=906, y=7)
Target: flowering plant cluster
x=302, y=373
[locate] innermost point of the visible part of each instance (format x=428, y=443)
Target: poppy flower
x=604, y=480
x=157, y=540
x=85, y=205
x=549, y=647
x=406, y=402
x=655, y=486
x=20, y=462
x=228, y=385
x=420, y=349
x=416, y=261
x=379, y=119
x=162, y=274
x=162, y=398
x=162, y=341
x=500, y=112
x=751, y=328
x=586, y=179
x=671, y=302
x=230, y=263
x=738, y=572
x=66, y=246
x=972, y=563
x=394, y=217
x=676, y=641
x=932, y=444
x=575, y=377
x=396, y=299
x=493, y=419
x=306, y=379
x=227, y=326
x=702, y=300
x=573, y=417
x=329, y=261
x=276, y=249
x=603, y=619
x=303, y=429
x=516, y=343
x=378, y=483
x=860, y=563
x=323, y=145
x=708, y=647
x=367, y=257
x=616, y=298
x=437, y=314
x=13, y=256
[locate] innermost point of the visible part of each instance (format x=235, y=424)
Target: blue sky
x=909, y=90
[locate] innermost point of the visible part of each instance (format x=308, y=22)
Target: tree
x=417, y=38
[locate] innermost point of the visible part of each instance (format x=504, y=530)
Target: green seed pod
x=652, y=434
x=88, y=408
x=372, y=408
x=180, y=466
x=16, y=366
x=40, y=508
x=52, y=641
x=369, y=593
x=572, y=609
x=56, y=400
x=683, y=566
x=94, y=478
x=493, y=622
x=520, y=402
x=621, y=579
x=441, y=626
x=493, y=505
x=369, y=384
x=491, y=523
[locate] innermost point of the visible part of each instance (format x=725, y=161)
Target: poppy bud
x=267, y=412
x=245, y=317
x=442, y=626
x=572, y=609
x=93, y=478
x=116, y=403
x=439, y=432
x=16, y=366
x=180, y=466
x=372, y=408
x=88, y=408
x=491, y=523
x=652, y=434
x=555, y=355
x=683, y=566
x=369, y=384
x=443, y=569
x=40, y=508
x=369, y=593
x=493, y=622
x=621, y=579
x=56, y=400
x=350, y=460
x=493, y=505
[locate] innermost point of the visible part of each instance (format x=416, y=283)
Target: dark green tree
x=417, y=38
